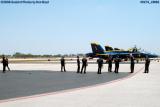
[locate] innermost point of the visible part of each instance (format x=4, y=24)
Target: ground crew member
x=147, y=63
x=117, y=60
x=78, y=65
x=7, y=62
x=110, y=64
x=4, y=62
x=132, y=64
x=84, y=65
x=63, y=64
x=100, y=65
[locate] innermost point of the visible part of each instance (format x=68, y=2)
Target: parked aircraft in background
x=98, y=51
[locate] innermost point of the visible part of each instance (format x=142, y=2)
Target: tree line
x=28, y=55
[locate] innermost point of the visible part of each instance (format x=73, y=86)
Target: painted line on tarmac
x=71, y=90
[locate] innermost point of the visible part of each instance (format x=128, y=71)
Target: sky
x=69, y=26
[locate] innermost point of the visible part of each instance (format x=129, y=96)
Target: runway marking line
x=70, y=90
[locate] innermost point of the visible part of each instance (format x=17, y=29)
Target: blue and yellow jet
x=99, y=52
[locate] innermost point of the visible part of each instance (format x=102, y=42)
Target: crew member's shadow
x=25, y=83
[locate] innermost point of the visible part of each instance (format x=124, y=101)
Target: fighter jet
x=98, y=51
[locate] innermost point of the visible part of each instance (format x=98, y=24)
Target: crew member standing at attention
x=4, y=62
x=63, y=64
x=78, y=65
x=147, y=63
x=132, y=64
x=117, y=60
x=110, y=64
x=7, y=62
x=100, y=65
x=84, y=65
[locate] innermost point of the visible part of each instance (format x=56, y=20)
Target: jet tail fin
x=97, y=49
x=108, y=48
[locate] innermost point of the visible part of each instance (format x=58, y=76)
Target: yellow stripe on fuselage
x=116, y=51
x=103, y=54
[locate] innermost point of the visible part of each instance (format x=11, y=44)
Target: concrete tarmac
x=41, y=85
